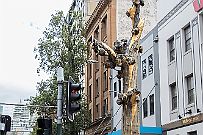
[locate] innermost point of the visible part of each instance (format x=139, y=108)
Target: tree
x=61, y=45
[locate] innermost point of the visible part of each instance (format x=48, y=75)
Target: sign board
x=191, y=120
x=198, y=5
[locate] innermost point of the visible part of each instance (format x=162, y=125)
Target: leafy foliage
x=62, y=45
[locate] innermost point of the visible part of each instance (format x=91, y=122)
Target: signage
x=190, y=120
x=198, y=5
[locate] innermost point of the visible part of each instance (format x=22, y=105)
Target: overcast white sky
x=21, y=25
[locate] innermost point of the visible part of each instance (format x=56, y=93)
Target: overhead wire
x=138, y=107
x=109, y=120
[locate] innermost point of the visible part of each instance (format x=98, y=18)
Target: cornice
x=96, y=14
x=172, y=12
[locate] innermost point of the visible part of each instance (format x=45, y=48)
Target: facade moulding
x=172, y=12
x=183, y=122
x=96, y=14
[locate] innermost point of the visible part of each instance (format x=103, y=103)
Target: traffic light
x=6, y=119
x=73, y=96
x=44, y=126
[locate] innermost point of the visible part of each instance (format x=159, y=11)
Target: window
x=96, y=33
x=119, y=85
x=190, y=89
x=192, y=133
x=187, y=34
x=145, y=110
x=115, y=89
x=173, y=96
x=171, y=49
x=105, y=107
x=90, y=71
x=90, y=93
x=104, y=28
x=144, y=69
x=97, y=88
x=105, y=81
x=150, y=62
x=97, y=64
x=97, y=110
x=90, y=111
x=151, y=100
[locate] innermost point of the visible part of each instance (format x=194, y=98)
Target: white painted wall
x=148, y=83
x=185, y=130
x=164, y=7
x=184, y=16
x=117, y=122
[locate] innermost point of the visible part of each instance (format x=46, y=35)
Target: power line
x=109, y=120
x=138, y=107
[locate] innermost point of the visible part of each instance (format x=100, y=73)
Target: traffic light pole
x=60, y=79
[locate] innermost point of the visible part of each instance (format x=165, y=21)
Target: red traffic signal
x=73, y=97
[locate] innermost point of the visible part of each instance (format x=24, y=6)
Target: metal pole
x=60, y=79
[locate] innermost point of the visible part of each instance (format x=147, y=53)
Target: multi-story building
x=149, y=13
x=181, y=68
x=171, y=77
x=107, y=24
x=172, y=69
x=21, y=120
x=101, y=26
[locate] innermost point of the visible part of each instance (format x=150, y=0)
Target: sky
x=21, y=25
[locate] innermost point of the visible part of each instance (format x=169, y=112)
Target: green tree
x=61, y=45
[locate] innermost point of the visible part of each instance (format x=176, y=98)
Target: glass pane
x=150, y=62
x=144, y=69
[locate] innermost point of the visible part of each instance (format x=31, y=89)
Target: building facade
x=181, y=39
x=123, y=31
x=101, y=26
x=21, y=122
x=109, y=23
x=172, y=69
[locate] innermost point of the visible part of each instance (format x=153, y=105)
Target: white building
x=21, y=120
x=123, y=30
x=173, y=59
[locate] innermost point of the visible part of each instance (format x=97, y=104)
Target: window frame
x=187, y=38
x=90, y=93
x=190, y=89
x=97, y=87
x=171, y=48
x=144, y=69
x=105, y=81
x=145, y=108
x=174, y=96
x=150, y=67
x=151, y=104
x=115, y=89
x=119, y=86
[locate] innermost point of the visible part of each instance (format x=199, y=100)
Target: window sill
x=171, y=62
x=187, y=52
x=190, y=105
x=174, y=111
